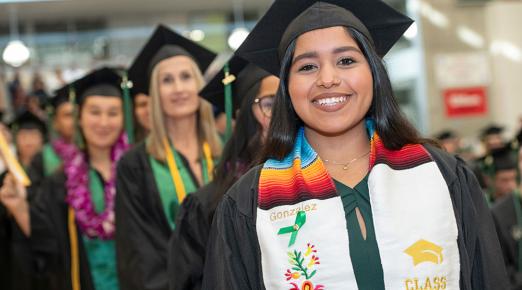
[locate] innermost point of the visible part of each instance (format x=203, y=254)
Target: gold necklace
x=345, y=165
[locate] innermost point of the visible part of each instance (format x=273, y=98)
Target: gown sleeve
x=233, y=255
x=187, y=246
x=45, y=227
x=36, y=172
x=141, y=242
x=486, y=266
x=5, y=257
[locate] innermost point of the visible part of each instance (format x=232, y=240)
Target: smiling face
x=178, y=87
x=141, y=110
x=330, y=82
x=101, y=120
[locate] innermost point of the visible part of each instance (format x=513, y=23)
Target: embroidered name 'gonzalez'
x=293, y=211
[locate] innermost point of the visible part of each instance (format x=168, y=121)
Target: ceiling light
x=470, y=37
x=237, y=37
x=16, y=53
x=197, y=35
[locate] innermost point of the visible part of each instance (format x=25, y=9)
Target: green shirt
x=364, y=254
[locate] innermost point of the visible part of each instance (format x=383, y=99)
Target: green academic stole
x=51, y=160
x=166, y=187
x=101, y=253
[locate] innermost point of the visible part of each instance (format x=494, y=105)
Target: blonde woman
x=176, y=159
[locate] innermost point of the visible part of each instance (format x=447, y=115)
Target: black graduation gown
x=19, y=268
x=505, y=219
x=233, y=258
x=187, y=246
x=36, y=170
x=5, y=256
x=142, y=228
x=50, y=236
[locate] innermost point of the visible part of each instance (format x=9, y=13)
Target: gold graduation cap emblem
x=424, y=251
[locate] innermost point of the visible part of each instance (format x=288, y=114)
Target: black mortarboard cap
x=491, y=130
x=246, y=76
x=165, y=43
x=287, y=19
x=504, y=158
x=61, y=95
x=101, y=82
x=27, y=120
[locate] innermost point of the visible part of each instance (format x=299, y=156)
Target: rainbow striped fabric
x=302, y=175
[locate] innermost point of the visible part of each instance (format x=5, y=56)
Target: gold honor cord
x=75, y=263
x=174, y=172
x=208, y=158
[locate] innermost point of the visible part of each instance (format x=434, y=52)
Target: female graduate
x=71, y=222
x=255, y=90
x=48, y=161
x=141, y=100
x=29, y=134
x=176, y=158
x=349, y=197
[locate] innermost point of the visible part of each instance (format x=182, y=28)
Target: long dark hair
x=391, y=125
x=241, y=152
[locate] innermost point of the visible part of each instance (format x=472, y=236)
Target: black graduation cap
x=106, y=82
x=287, y=19
x=504, y=158
x=101, y=82
x=28, y=120
x=243, y=77
x=165, y=43
x=445, y=135
x=491, y=129
x=61, y=95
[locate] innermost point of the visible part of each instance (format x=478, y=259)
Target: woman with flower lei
x=71, y=222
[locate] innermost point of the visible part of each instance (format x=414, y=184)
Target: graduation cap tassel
x=227, y=81
x=127, y=108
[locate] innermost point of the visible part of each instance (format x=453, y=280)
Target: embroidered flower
x=308, y=285
x=313, y=261
x=310, y=249
x=292, y=275
x=302, y=264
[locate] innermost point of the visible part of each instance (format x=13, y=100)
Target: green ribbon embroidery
x=300, y=220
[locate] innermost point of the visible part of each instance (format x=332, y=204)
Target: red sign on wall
x=461, y=102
